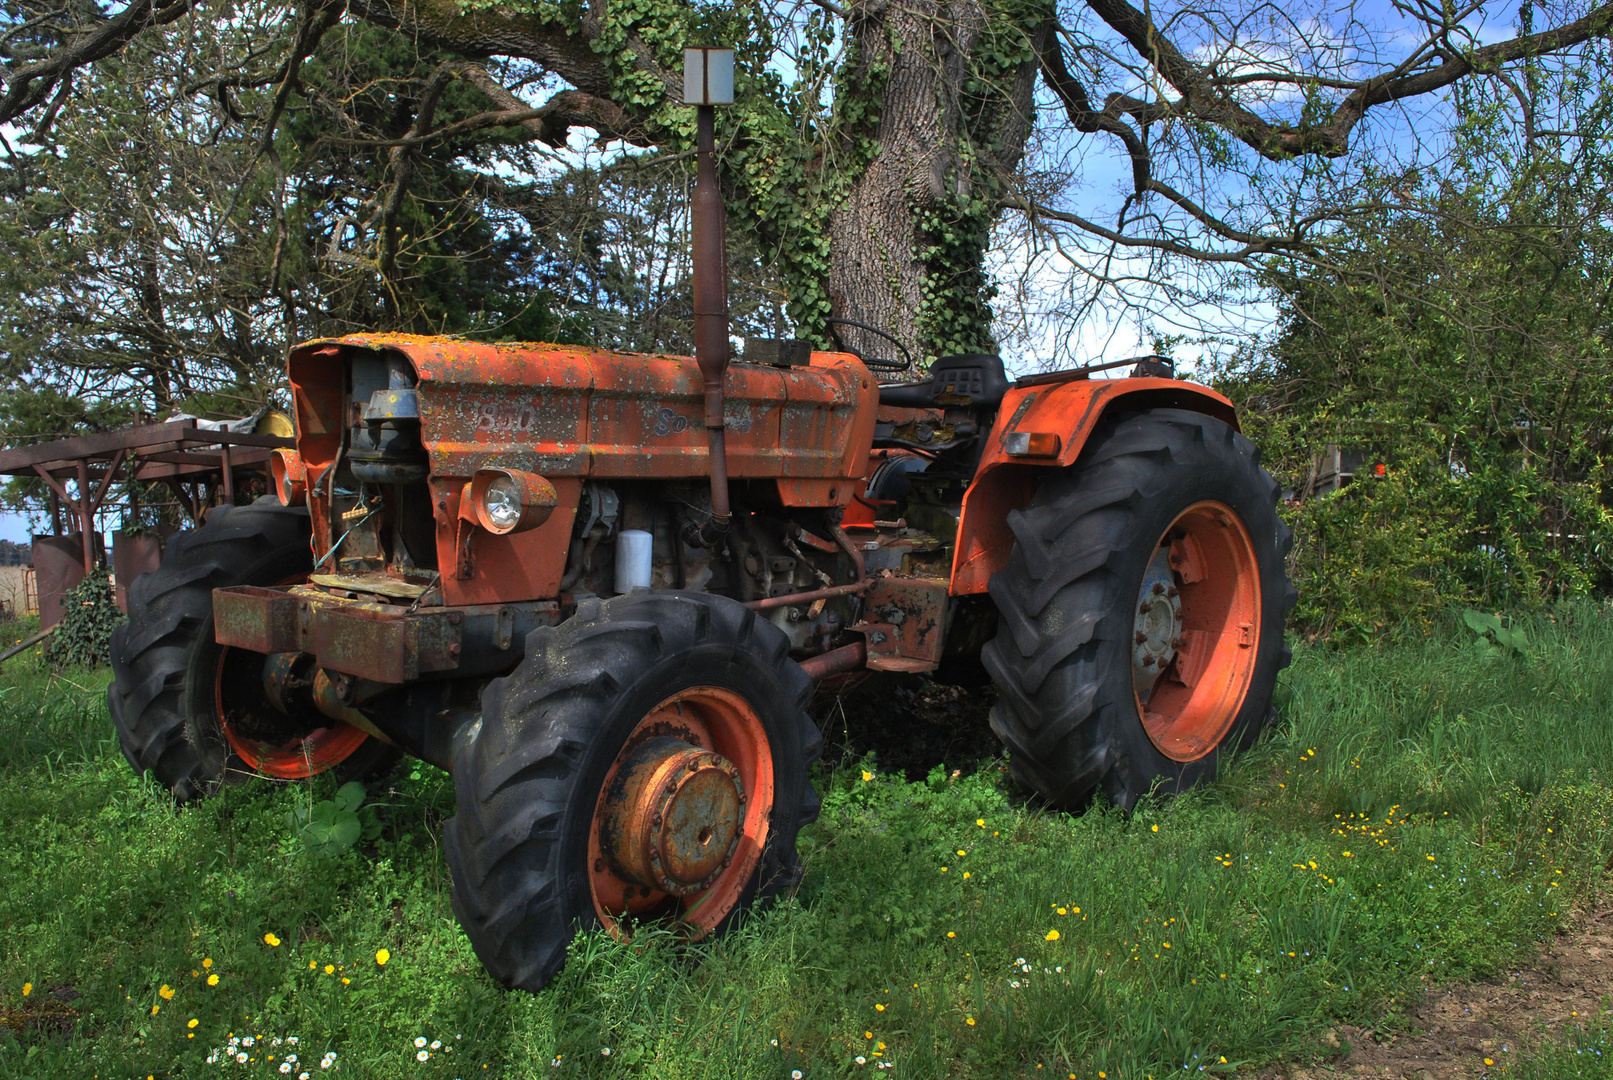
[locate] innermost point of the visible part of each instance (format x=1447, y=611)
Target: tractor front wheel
x=646, y=760
x=192, y=712
x=1142, y=612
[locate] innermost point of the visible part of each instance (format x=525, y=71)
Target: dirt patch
x=908, y=724
x=1455, y=1028
x=41, y=1014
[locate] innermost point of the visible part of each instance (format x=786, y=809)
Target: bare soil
x=1454, y=1028
x=908, y=724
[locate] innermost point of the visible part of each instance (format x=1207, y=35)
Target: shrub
x=89, y=614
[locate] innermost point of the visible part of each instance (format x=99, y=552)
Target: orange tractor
x=599, y=589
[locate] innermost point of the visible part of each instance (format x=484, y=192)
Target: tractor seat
x=977, y=376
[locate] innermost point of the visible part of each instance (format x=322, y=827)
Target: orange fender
x=1071, y=411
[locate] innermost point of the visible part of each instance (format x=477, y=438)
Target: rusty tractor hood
x=562, y=410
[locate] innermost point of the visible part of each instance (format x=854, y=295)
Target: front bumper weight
x=385, y=643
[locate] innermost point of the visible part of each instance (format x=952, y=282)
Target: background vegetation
x=1422, y=813
x=1463, y=345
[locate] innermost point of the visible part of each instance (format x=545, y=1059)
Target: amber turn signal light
x=290, y=477
x=509, y=500
x=1031, y=444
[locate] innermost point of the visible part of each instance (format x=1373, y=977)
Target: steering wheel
x=871, y=363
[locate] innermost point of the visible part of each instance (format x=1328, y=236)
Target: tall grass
x=1422, y=813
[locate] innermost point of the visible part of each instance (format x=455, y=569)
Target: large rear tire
x=568, y=815
x=187, y=709
x=1142, y=612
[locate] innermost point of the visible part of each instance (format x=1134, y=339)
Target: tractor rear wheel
x=192, y=712
x=647, y=758
x=1142, y=612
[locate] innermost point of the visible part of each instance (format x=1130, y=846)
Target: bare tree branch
x=29, y=84
x=1203, y=95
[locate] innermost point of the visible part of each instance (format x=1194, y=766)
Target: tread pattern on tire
x=518, y=768
x=1061, y=596
x=169, y=608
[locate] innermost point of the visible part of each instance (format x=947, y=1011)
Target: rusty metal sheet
x=262, y=620
x=905, y=625
x=362, y=644
x=514, y=567
x=378, y=641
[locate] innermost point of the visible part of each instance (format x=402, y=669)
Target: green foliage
x=1382, y=556
x=1493, y=637
x=331, y=826
x=1461, y=340
x=1384, y=757
x=89, y=615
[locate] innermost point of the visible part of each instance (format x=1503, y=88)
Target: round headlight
x=506, y=501
x=501, y=502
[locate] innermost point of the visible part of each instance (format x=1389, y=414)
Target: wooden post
x=134, y=491
x=86, y=514
x=186, y=503
x=229, y=474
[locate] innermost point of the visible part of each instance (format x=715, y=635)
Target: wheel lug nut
x=1159, y=587
x=1141, y=637
x=1148, y=661
x=1173, y=592
x=1144, y=609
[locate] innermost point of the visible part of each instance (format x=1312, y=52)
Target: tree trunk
x=944, y=107
x=943, y=155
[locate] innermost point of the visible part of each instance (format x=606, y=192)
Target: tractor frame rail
x=383, y=643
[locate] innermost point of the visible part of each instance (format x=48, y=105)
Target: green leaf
x=346, y=831
x=1481, y=621
x=350, y=796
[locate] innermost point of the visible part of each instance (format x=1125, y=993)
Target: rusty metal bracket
x=905, y=625
x=385, y=643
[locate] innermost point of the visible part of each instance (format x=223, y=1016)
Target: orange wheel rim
x=1209, y=607
x=294, y=759
x=722, y=724
x=291, y=759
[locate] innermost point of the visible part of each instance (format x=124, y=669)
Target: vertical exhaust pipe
x=708, y=81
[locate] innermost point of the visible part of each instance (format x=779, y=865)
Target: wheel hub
x=1157, y=631
x=672, y=816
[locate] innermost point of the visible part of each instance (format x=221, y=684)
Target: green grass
x=1471, y=794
